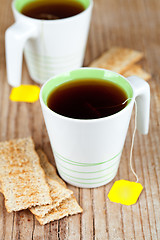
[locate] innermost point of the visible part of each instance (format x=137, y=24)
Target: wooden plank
x=74, y=222
x=132, y=223
x=87, y=218
x=114, y=221
x=127, y=211
x=99, y=212
x=23, y=225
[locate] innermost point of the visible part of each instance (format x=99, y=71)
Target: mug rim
x=86, y=120
x=14, y=9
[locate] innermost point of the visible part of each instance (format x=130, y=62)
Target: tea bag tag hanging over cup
x=50, y=46
x=123, y=191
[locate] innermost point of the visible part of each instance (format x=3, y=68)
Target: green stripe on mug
x=83, y=164
x=85, y=178
x=90, y=183
x=71, y=170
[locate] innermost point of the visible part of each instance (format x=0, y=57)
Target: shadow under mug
x=88, y=152
x=50, y=46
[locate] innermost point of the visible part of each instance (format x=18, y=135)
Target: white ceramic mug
x=87, y=152
x=50, y=46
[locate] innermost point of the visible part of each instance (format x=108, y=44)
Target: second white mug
x=50, y=46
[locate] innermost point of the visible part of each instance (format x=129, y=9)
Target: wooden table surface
x=126, y=23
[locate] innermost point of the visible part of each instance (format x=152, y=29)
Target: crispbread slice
x=22, y=178
x=58, y=193
x=117, y=59
x=66, y=208
x=136, y=70
x=49, y=169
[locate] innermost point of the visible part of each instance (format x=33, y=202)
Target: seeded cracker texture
x=66, y=208
x=48, y=168
x=58, y=193
x=22, y=179
x=117, y=59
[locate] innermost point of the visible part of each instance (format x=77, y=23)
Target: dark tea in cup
x=52, y=9
x=87, y=99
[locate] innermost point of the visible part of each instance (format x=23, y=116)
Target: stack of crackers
x=123, y=61
x=29, y=181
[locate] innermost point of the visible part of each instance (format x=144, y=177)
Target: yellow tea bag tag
x=125, y=192
x=25, y=93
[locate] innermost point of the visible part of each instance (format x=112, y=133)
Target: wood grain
x=127, y=23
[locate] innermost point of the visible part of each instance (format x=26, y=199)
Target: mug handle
x=15, y=38
x=142, y=95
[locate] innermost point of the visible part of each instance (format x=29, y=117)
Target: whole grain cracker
x=117, y=59
x=58, y=193
x=136, y=70
x=22, y=179
x=49, y=169
x=66, y=208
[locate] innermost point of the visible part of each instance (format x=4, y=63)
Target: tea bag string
x=132, y=144
x=134, y=132
x=133, y=137
x=118, y=105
